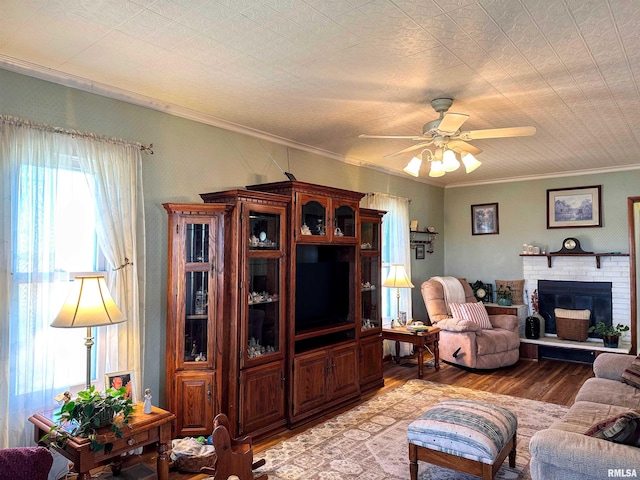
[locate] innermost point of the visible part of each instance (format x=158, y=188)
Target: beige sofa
x=563, y=452
x=463, y=342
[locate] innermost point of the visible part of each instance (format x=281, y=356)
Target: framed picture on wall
x=574, y=207
x=484, y=219
x=420, y=251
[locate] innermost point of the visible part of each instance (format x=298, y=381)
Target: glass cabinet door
x=344, y=219
x=198, y=253
x=264, y=231
x=263, y=277
x=312, y=218
x=264, y=307
x=369, y=240
x=370, y=274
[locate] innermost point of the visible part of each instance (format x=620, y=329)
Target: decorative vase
x=532, y=327
x=611, y=341
x=505, y=302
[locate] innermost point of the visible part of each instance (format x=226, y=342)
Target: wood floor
x=547, y=380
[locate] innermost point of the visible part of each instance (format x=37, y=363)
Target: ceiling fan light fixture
x=449, y=161
x=413, y=167
x=470, y=162
x=436, y=169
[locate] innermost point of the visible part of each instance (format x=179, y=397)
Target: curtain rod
x=20, y=122
x=388, y=195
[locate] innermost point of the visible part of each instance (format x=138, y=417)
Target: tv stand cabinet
x=309, y=272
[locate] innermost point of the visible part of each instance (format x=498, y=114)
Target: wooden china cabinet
x=194, y=314
x=371, y=368
x=324, y=295
x=254, y=378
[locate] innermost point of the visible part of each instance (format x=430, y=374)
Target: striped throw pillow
x=623, y=428
x=631, y=374
x=475, y=312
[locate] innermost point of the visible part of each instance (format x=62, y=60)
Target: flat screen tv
x=322, y=287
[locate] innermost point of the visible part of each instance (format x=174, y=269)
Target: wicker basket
x=193, y=464
x=572, y=328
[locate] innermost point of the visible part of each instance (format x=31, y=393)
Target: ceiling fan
x=445, y=136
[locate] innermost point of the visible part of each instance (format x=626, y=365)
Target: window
x=55, y=237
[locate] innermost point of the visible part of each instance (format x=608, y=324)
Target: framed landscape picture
x=484, y=219
x=574, y=207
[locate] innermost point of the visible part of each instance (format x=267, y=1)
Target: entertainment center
x=294, y=326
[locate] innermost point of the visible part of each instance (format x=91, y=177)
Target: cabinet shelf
x=597, y=256
x=197, y=317
x=323, y=330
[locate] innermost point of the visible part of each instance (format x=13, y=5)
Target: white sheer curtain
x=36, y=361
x=395, y=249
x=118, y=194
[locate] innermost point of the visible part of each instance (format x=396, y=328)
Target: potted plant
x=504, y=295
x=90, y=411
x=610, y=333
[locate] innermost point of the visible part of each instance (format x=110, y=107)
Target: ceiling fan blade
x=407, y=137
x=409, y=149
x=451, y=123
x=498, y=133
x=460, y=146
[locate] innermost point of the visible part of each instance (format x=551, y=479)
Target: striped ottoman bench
x=464, y=435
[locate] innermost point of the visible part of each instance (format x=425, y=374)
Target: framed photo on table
x=117, y=380
x=574, y=207
x=484, y=219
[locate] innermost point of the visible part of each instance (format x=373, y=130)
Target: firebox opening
x=594, y=296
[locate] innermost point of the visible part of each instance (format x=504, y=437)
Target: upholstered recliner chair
x=25, y=463
x=463, y=342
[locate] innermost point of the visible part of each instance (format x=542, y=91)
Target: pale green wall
x=192, y=158
x=522, y=219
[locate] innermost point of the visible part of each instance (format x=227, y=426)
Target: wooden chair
x=235, y=456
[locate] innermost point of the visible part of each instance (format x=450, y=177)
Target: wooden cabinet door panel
x=262, y=396
x=194, y=403
x=309, y=381
x=344, y=368
x=371, y=369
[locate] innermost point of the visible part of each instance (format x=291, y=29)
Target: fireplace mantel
x=597, y=255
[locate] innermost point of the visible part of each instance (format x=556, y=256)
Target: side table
x=422, y=339
x=142, y=429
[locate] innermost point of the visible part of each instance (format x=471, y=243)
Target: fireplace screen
x=594, y=296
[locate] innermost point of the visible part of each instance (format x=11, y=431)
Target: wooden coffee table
x=143, y=429
x=420, y=340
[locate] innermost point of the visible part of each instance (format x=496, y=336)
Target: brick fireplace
x=584, y=269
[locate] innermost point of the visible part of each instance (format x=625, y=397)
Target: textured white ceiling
x=317, y=73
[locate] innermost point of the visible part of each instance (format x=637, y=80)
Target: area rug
x=369, y=442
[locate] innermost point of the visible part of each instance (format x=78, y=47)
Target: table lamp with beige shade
x=397, y=279
x=89, y=304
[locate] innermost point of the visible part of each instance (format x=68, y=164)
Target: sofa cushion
x=624, y=428
x=631, y=374
x=476, y=312
x=613, y=392
x=583, y=415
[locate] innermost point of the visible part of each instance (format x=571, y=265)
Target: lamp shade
x=470, y=162
x=397, y=277
x=436, y=169
x=413, y=167
x=89, y=304
x=449, y=161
